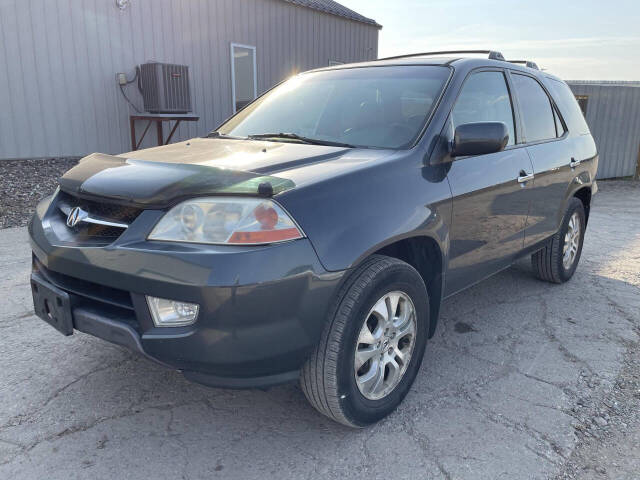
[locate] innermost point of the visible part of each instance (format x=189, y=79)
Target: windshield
x=384, y=107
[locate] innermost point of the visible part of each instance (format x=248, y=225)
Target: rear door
x=545, y=136
x=490, y=204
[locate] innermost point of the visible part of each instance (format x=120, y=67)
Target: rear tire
x=329, y=378
x=555, y=262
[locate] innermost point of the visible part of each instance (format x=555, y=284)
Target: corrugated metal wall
x=613, y=115
x=58, y=60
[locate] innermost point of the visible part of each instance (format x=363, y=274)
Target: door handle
x=574, y=163
x=524, y=177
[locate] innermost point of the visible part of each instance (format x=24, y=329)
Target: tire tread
x=318, y=378
x=547, y=262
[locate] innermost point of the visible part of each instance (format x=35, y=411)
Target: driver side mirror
x=479, y=138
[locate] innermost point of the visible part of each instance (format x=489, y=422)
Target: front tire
x=372, y=346
x=558, y=260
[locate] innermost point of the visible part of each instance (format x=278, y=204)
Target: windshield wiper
x=295, y=136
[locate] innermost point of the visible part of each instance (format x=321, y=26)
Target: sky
x=576, y=40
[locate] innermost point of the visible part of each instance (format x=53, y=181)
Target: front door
x=490, y=198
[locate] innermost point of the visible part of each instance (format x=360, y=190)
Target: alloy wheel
x=385, y=345
x=571, y=241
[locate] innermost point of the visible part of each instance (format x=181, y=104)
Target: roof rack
x=526, y=63
x=493, y=55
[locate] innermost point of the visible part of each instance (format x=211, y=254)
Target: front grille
x=92, y=232
x=117, y=213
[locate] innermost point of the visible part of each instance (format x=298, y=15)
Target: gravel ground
x=607, y=425
x=609, y=429
x=24, y=183
x=523, y=380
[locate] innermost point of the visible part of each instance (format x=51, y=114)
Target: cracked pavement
x=523, y=379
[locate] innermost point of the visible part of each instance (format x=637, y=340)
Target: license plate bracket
x=52, y=304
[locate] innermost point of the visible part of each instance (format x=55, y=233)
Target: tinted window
x=568, y=105
x=485, y=98
x=537, y=115
x=369, y=107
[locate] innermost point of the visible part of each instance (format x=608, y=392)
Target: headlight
x=225, y=220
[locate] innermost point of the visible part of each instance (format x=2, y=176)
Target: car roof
x=391, y=62
x=464, y=63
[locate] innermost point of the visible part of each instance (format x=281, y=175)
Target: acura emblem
x=76, y=215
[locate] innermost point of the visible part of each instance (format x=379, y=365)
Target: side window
x=569, y=105
x=537, y=113
x=485, y=98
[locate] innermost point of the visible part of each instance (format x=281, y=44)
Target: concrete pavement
x=511, y=387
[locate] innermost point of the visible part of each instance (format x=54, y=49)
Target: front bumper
x=262, y=309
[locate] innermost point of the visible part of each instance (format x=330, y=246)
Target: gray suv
x=315, y=234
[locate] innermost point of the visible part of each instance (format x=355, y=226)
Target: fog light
x=169, y=313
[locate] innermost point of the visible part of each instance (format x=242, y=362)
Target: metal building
x=612, y=110
x=59, y=60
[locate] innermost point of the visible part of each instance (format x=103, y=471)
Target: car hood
x=157, y=177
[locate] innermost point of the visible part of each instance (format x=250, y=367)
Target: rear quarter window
x=568, y=105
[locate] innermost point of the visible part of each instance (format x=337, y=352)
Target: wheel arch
x=581, y=187
x=584, y=195
x=425, y=255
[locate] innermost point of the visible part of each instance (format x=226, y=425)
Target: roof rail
x=493, y=55
x=526, y=63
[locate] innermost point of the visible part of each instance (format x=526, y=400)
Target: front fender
x=351, y=216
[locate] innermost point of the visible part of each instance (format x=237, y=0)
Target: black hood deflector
x=153, y=184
